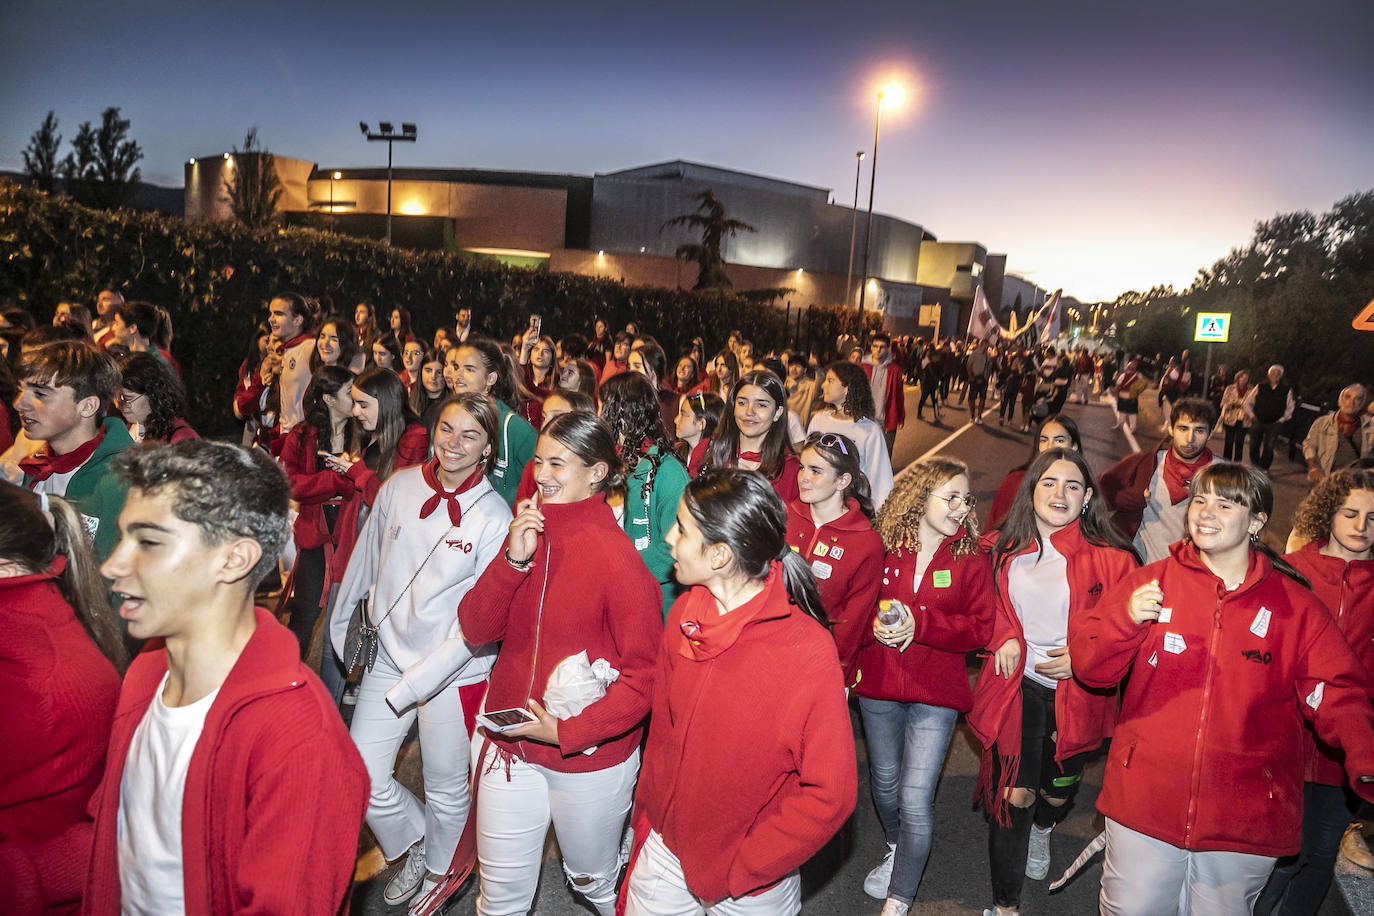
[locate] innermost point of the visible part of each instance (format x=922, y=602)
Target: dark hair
x=707, y=406
x=842, y=455
x=406, y=330
x=324, y=380
x=252, y=355
x=549, y=380
x=513, y=375
x=591, y=441
x=724, y=450
x=306, y=309
x=52, y=333
x=1070, y=427
x=692, y=382
x=32, y=541
x=655, y=360
x=18, y=317
x=1248, y=487
x=880, y=335
x=577, y=400
x=732, y=361
x=481, y=409
x=586, y=377
x=574, y=346
x=72, y=363
x=629, y=406
x=742, y=511
x=420, y=399
x=1195, y=409
x=225, y=490
x=858, y=395
x=394, y=415
x=1018, y=529
x=154, y=379
x=392, y=346
x=493, y=361
x=348, y=342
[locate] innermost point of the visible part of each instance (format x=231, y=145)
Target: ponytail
x=801, y=586
x=81, y=584
x=1280, y=564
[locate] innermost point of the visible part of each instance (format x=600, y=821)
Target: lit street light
x=387, y=132
x=895, y=94
x=853, y=225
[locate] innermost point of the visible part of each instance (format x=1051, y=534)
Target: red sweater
x=1208, y=753
x=845, y=556
x=749, y=768
x=60, y=695
x=311, y=485
x=1083, y=714
x=953, y=610
x=1347, y=590
x=588, y=589
x=274, y=795
x=411, y=449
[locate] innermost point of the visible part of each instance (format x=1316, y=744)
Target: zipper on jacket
x=1196, y=776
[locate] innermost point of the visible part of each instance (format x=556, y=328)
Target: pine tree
x=101, y=171
x=40, y=159
x=254, y=188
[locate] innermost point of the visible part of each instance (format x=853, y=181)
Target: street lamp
x=387, y=132
x=853, y=226
x=895, y=94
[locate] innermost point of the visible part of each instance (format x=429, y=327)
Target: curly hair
x=858, y=396
x=155, y=380
x=1313, y=519
x=899, y=520
x=629, y=405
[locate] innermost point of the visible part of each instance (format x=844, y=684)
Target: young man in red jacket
x=1148, y=492
x=889, y=397
x=230, y=783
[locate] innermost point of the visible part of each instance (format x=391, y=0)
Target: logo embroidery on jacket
x=1095, y=590
x=1255, y=655
x=460, y=544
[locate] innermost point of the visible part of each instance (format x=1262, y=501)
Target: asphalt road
x=956, y=880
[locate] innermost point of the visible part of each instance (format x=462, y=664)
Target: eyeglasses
x=831, y=440
x=957, y=500
x=125, y=398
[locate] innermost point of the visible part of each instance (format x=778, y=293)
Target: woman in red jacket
x=752, y=434
x=1227, y=651
x=830, y=527
x=1054, y=556
x=911, y=680
x=748, y=691
x=698, y=415
x=570, y=582
x=58, y=676
x=1337, y=521
x=1056, y=432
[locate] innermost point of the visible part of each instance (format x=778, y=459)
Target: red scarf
x=430, y=472
x=706, y=632
x=42, y=464
x=697, y=456
x=296, y=341
x=751, y=456
x=1347, y=425
x=1178, y=474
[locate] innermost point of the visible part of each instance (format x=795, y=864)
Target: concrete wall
x=207, y=188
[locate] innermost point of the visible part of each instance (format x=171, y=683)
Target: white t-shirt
x=149, y=824
x=1039, y=587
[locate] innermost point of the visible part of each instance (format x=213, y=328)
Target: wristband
x=519, y=567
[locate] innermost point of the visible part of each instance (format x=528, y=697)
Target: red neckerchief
x=42, y=464
x=706, y=632
x=1178, y=474
x=296, y=341
x=1347, y=425
x=751, y=456
x=430, y=472
x=697, y=456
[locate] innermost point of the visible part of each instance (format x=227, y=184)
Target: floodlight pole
x=853, y=229
x=387, y=133
x=868, y=233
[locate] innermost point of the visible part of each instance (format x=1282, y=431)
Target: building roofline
x=629, y=173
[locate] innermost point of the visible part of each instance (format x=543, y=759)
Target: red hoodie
x=846, y=556
x=1083, y=714
x=953, y=609
x=1208, y=753
x=274, y=795
x=1347, y=590
x=587, y=589
x=749, y=768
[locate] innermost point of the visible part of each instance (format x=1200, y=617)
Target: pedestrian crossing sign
x=1213, y=327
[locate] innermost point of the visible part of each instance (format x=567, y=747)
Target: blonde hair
x=899, y=521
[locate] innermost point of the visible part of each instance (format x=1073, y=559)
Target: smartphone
x=505, y=719
x=535, y=323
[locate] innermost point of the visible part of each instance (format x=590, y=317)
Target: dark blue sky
x=1101, y=148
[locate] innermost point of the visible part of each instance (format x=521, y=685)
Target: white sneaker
x=406, y=882
x=875, y=885
x=895, y=907
x=427, y=885
x=1038, y=854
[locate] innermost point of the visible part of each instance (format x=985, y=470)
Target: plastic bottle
x=891, y=612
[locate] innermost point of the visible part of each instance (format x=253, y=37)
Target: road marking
x=1130, y=438
x=947, y=440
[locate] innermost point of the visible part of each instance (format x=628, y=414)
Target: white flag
x=1047, y=322
x=982, y=324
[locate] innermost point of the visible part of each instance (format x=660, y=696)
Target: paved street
x=956, y=880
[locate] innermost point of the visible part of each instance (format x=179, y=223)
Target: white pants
x=396, y=816
x=657, y=888
x=514, y=807
x=1142, y=876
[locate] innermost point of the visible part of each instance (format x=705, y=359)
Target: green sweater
x=648, y=524
x=96, y=492
x=515, y=439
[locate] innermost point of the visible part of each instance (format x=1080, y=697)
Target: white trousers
x=657, y=888
x=1142, y=876
x=396, y=816
x=515, y=805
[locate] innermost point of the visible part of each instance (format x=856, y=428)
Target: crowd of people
x=632, y=599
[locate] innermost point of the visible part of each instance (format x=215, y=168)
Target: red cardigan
x=894, y=396
x=749, y=768
x=846, y=556
x=588, y=589
x=273, y=777
x=1083, y=714
x=1347, y=590
x=1208, y=753
x=311, y=486
x=60, y=695
x=953, y=615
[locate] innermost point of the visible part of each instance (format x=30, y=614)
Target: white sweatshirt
x=421, y=635
x=873, y=459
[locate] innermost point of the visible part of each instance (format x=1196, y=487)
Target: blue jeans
x=906, y=750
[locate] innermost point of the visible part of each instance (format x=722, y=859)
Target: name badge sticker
x=1174, y=643
x=942, y=578
x=822, y=569
x=1260, y=627
x=641, y=543
x=1165, y=614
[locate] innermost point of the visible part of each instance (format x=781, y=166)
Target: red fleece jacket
x=749, y=768
x=846, y=556
x=1208, y=753
x=311, y=485
x=274, y=795
x=1347, y=590
x=587, y=589
x=60, y=695
x=953, y=610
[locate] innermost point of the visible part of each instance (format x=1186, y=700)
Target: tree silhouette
x=715, y=227
x=40, y=159
x=101, y=169
x=254, y=188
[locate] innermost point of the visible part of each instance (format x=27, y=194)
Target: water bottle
x=891, y=612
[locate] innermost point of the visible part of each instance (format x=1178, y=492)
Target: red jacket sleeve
x=308, y=486
x=248, y=398
x=1106, y=640
x=485, y=608
x=967, y=624
x=855, y=616
x=897, y=398
x=1333, y=691
x=413, y=447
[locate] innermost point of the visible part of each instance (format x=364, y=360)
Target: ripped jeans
x=514, y=808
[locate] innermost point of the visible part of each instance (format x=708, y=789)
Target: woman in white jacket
x=432, y=532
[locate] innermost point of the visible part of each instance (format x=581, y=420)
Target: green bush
x=216, y=279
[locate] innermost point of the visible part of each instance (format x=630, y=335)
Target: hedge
x=216, y=279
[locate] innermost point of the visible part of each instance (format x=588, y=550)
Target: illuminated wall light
x=227, y=156
x=192, y=160
x=338, y=174
x=414, y=208
x=601, y=254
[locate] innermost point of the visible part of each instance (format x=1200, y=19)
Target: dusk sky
x=1103, y=148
